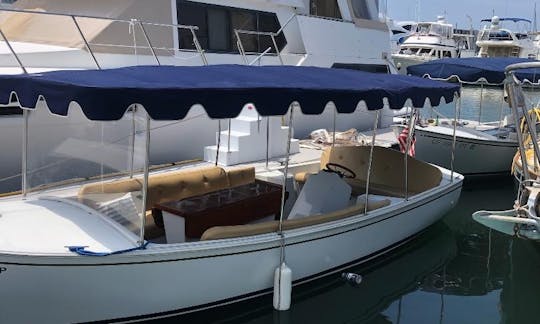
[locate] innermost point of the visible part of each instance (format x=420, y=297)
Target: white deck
x=43, y=226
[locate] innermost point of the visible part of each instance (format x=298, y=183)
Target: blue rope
x=81, y=250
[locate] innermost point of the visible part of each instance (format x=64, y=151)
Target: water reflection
x=520, y=294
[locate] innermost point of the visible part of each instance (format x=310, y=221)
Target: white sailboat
x=82, y=250
x=475, y=140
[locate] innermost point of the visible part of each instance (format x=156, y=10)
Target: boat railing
x=241, y=49
x=516, y=99
x=132, y=23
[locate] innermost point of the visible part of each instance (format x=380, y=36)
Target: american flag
x=402, y=139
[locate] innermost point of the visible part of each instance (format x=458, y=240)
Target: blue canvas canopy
x=474, y=70
x=168, y=92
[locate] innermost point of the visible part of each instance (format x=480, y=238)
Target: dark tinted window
x=268, y=23
x=192, y=14
x=218, y=29
x=217, y=24
x=325, y=8
x=374, y=68
x=245, y=20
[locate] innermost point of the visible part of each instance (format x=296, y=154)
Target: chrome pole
x=24, y=184
x=334, y=128
x=85, y=42
x=149, y=42
x=457, y=111
x=132, y=144
x=277, y=49
x=267, y=141
x=368, y=178
x=513, y=105
x=229, y=137
x=407, y=149
x=24, y=162
x=286, y=170
x=198, y=46
x=218, y=141
x=481, y=103
x=145, y=183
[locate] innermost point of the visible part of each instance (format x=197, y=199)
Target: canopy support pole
x=457, y=111
x=24, y=158
x=218, y=142
x=267, y=141
x=334, y=126
x=410, y=126
x=286, y=169
x=481, y=103
x=513, y=105
x=132, y=142
x=145, y=183
x=368, y=178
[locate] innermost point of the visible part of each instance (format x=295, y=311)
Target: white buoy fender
x=282, y=287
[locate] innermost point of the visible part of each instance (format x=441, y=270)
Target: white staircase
x=248, y=140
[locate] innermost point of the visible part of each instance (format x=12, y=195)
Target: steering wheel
x=340, y=170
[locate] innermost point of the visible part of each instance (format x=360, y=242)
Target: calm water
x=457, y=271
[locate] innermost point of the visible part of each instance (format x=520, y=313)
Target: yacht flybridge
x=91, y=249
x=496, y=41
x=432, y=41
x=75, y=34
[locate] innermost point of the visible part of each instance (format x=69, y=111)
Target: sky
x=457, y=10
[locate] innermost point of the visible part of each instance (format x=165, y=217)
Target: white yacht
x=496, y=41
x=67, y=34
x=432, y=41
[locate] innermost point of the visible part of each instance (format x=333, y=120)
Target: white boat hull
x=164, y=280
x=472, y=156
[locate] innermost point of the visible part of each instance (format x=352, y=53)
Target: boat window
x=217, y=24
x=245, y=20
x=374, y=68
x=218, y=30
x=324, y=8
x=365, y=9
x=500, y=35
x=425, y=51
x=447, y=54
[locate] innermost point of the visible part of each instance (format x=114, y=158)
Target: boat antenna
x=535, y=20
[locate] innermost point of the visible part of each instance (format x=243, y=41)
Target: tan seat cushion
x=240, y=176
x=176, y=185
x=222, y=232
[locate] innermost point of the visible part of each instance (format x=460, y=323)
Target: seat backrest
x=323, y=193
x=176, y=185
x=387, y=167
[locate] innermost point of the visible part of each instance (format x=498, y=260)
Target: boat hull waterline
x=164, y=280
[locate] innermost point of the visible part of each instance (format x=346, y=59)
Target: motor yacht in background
x=291, y=32
x=432, y=41
x=496, y=41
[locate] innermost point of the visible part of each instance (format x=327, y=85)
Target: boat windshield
x=434, y=29
x=80, y=155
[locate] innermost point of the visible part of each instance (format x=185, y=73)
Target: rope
x=81, y=250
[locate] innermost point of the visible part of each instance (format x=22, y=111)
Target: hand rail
x=141, y=23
